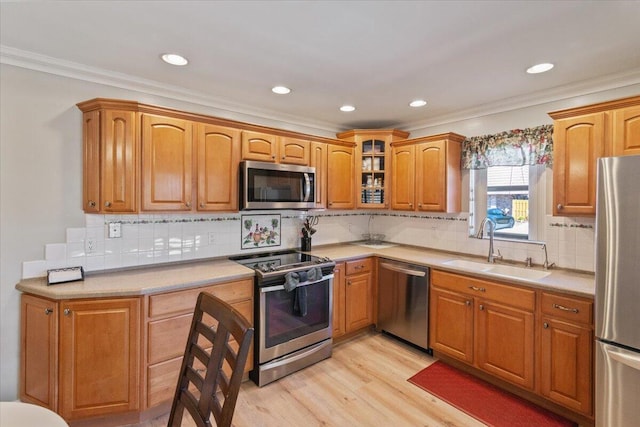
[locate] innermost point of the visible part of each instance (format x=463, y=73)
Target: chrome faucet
x=492, y=257
x=546, y=264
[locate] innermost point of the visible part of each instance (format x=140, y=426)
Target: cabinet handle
x=563, y=308
x=48, y=311
x=67, y=311
x=107, y=204
x=359, y=267
x=467, y=302
x=559, y=207
x=475, y=288
x=92, y=204
x=545, y=325
x=481, y=307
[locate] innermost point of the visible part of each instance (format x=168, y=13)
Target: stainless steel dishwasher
x=403, y=301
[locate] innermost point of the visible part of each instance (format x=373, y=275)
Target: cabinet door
x=505, y=339
x=99, y=357
x=338, y=301
x=167, y=164
x=294, y=151
x=91, y=202
x=565, y=364
x=403, y=181
x=39, y=351
x=119, y=161
x=318, y=160
x=218, y=156
x=578, y=142
x=438, y=176
x=259, y=146
x=358, y=301
x=626, y=131
x=340, y=187
x=451, y=324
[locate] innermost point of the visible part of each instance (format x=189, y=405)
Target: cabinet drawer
x=161, y=381
x=168, y=337
x=185, y=301
x=567, y=307
x=358, y=266
x=508, y=294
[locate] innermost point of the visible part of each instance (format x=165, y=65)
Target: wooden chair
x=213, y=363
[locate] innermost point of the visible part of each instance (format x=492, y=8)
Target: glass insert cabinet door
x=372, y=174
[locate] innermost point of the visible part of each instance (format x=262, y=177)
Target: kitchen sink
x=467, y=265
x=498, y=269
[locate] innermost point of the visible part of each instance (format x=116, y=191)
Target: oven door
x=293, y=320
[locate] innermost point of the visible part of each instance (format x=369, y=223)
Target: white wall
x=41, y=175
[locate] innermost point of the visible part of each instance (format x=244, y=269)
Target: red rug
x=482, y=400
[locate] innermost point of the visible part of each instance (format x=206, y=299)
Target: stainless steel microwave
x=266, y=185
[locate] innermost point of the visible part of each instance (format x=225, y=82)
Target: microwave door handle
x=307, y=187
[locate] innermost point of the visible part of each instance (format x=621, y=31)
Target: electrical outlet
x=90, y=245
x=212, y=238
x=115, y=230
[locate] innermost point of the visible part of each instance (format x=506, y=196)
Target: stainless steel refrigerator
x=617, y=301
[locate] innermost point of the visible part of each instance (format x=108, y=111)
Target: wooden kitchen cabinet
x=168, y=318
x=294, y=151
x=99, y=357
x=318, y=159
x=340, y=173
x=358, y=295
x=339, y=326
x=167, y=163
x=39, y=351
x=485, y=324
x=217, y=160
x=426, y=174
x=581, y=136
x=566, y=351
x=372, y=164
x=259, y=146
x=110, y=166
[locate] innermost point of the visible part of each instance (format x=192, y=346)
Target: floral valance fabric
x=518, y=147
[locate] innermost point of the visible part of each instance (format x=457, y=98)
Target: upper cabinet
x=271, y=148
x=318, y=159
x=426, y=173
x=372, y=164
x=340, y=188
x=580, y=137
x=110, y=161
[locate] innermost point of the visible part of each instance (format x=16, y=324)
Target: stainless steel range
x=293, y=311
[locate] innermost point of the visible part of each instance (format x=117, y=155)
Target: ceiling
x=466, y=58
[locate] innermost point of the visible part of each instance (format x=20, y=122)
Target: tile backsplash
x=153, y=239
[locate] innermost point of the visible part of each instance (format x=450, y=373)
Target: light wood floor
x=363, y=384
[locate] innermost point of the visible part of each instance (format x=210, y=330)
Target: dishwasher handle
x=399, y=269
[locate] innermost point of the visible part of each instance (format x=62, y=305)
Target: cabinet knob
x=92, y=204
x=188, y=204
x=67, y=311
x=202, y=205
x=467, y=302
x=559, y=207
x=107, y=204
x=545, y=325
x=283, y=157
x=481, y=307
x=419, y=205
x=48, y=311
x=410, y=204
x=274, y=156
x=348, y=282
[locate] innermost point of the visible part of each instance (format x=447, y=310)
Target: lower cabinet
x=85, y=354
x=539, y=341
x=90, y=358
x=352, y=296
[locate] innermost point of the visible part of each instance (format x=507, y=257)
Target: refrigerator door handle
x=630, y=361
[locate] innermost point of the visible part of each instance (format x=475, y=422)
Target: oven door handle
x=301, y=284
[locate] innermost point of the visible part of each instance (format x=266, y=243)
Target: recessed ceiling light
x=418, y=103
x=347, y=108
x=174, y=59
x=280, y=90
x=539, y=68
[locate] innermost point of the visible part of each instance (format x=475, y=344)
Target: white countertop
x=156, y=279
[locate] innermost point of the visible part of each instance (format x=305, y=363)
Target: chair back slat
x=222, y=349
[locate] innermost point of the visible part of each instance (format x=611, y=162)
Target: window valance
x=517, y=147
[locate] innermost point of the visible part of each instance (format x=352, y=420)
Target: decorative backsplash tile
x=152, y=239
